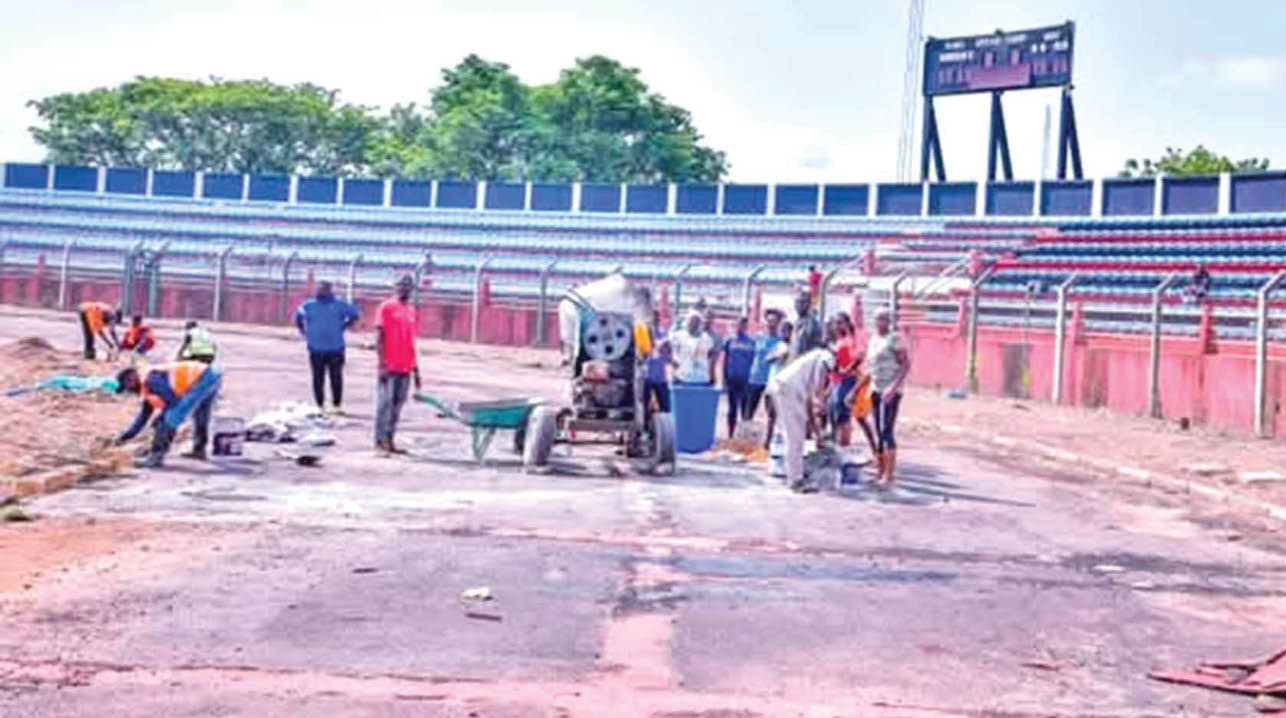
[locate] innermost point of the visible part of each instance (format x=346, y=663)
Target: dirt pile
x=47, y=430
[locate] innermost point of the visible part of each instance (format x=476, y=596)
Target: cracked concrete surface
x=990, y=587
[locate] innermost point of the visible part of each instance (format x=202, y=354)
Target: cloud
x=1247, y=72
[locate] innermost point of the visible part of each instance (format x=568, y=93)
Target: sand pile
x=49, y=430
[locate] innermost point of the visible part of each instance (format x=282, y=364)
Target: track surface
x=260, y=588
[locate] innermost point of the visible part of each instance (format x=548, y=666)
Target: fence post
x=678, y=291
x=152, y=271
x=425, y=266
x=62, y=273
x=1154, y=366
x=1060, y=338
x=220, y=274
x=893, y=299
x=285, y=286
x=544, y=298
x=745, y=288
x=971, y=360
x=476, y=317
x=352, y=278
x=127, y=275
x=1261, y=353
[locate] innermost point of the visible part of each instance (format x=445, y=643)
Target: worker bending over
x=175, y=391
x=139, y=337
x=796, y=390
x=98, y=320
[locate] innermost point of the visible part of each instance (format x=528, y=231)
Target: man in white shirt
x=691, y=349
x=797, y=386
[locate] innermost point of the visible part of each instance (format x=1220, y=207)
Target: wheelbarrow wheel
x=663, y=435
x=542, y=426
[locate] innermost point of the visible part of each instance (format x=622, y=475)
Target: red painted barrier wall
x=1200, y=380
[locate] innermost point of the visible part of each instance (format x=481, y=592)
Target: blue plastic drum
x=696, y=413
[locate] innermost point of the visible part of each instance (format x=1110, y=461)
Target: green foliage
x=1200, y=161
x=598, y=123
x=220, y=125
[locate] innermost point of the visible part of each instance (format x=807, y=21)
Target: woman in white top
x=691, y=349
x=889, y=363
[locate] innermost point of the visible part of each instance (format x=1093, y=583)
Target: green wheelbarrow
x=484, y=418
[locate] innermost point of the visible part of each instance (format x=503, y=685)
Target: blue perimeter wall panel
x=1189, y=195
x=696, y=199
x=76, y=179
x=1259, y=193
x=795, y=199
x=550, y=197
x=457, y=195
x=846, y=199
x=318, y=190
x=26, y=176
x=220, y=185
x=269, y=188
x=600, y=198
x=647, y=198
x=409, y=193
x=1011, y=199
x=367, y=192
x=1061, y=199
x=899, y=199
x=745, y=198
x=177, y=183
x=126, y=180
x=505, y=195
x=953, y=198
x=1128, y=197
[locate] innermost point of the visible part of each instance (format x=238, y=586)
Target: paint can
x=228, y=435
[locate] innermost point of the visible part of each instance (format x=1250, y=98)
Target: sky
x=792, y=92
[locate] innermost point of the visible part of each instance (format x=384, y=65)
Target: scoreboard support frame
x=998, y=141
x=1068, y=141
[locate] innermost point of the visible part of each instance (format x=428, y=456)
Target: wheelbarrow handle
x=441, y=406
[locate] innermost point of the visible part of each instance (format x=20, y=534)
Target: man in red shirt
x=814, y=287
x=395, y=330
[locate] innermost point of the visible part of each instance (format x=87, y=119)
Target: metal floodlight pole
x=62, y=273
x=285, y=286
x=1154, y=366
x=745, y=288
x=971, y=360
x=476, y=317
x=544, y=301
x=893, y=299
x=1060, y=337
x=678, y=290
x=220, y=274
x=352, y=277
x=153, y=273
x=1261, y=353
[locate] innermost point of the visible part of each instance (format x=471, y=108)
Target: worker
x=98, y=320
x=738, y=356
x=809, y=333
x=175, y=391
x=322, y=321
x=197, y=345
x=139, y=337
x=796, y=390
x=890, y=362
x=395, y=328
x=814, y=287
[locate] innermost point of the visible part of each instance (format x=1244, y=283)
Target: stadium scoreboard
x=1025, y=59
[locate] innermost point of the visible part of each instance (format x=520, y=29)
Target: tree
x=597, y=123
x=252, y=126
x=1199, y=161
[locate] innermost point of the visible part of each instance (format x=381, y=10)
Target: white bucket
x=777, y=455
x=228, y=435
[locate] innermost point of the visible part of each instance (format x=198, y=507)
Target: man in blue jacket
x=322, y=321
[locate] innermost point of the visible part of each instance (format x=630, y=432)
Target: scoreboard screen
x=999, y=61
